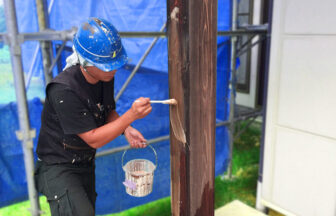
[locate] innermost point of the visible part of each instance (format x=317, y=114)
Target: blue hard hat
x=99, y=43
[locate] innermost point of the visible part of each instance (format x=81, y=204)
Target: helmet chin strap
x=90, y=78
x=86, y=71
x=83, y=63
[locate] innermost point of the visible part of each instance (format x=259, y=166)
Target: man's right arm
x=75, y=118
x=100, y=136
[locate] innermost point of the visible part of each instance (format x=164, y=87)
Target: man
x=79, y=116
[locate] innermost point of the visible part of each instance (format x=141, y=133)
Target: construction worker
x=79, y=116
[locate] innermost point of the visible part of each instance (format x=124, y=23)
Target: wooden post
x=192, y=48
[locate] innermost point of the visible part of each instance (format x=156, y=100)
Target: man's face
x=100, y=75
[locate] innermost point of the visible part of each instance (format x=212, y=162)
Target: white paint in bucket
x=139, y=175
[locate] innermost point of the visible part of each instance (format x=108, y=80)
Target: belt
x=75, y=162
x=86, y=161
x=76, y=147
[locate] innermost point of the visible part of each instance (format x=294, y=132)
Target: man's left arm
x=132, y=135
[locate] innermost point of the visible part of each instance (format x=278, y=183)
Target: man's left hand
x=135, y=138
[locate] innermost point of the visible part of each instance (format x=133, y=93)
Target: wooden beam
x=192, y=48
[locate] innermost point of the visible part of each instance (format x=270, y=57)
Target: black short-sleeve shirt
x=73, y=115
x=72, y=106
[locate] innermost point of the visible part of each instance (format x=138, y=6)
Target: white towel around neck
x=75, y=58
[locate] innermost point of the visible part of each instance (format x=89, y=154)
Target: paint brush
x=169, y=101
x=174, y=119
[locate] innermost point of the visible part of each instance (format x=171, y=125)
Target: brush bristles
x=173, y=102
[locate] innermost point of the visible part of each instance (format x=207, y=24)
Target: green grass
x=242, y=186
x=160, y=207
x=23, y=207
x=245, y=166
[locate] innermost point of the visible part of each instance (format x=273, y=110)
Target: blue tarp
x=150, y=81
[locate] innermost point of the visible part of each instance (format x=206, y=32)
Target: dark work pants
x=69, y=188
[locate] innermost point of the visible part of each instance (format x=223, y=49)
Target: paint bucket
x=139, y=175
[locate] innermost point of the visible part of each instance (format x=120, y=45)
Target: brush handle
x=161, y=101
x=169, y=101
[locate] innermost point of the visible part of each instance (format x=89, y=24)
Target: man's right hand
x=141, y=107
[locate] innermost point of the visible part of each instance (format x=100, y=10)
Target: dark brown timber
x=192, y=48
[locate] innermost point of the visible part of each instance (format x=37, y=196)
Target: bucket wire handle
x=156, y=159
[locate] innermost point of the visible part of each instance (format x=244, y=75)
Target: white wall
x=300, y=141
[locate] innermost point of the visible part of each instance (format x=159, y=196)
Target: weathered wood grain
x=192, y=48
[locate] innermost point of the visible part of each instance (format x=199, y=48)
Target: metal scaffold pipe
x=123, y=88
x=42, y=15
x=232, y=84
x=25, y=134
x=51, y=35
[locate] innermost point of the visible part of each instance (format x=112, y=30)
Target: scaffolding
x=45, y=36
